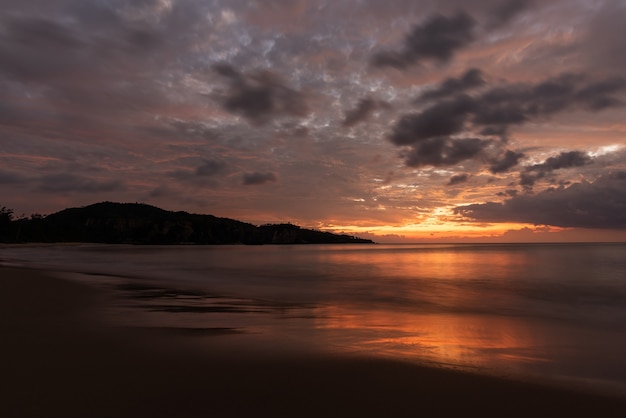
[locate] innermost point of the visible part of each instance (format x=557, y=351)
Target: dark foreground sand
x=58, y=359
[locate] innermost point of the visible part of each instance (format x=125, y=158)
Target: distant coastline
x=137, y=223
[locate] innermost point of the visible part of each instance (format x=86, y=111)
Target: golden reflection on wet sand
x=438, y=330
x=446, y=339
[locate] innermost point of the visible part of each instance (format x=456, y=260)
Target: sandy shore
x=59, y=359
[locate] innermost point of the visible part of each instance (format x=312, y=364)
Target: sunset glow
x=400, y=121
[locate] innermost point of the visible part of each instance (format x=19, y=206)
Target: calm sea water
x=554, y=311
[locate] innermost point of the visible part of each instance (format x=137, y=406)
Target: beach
x=60, y=358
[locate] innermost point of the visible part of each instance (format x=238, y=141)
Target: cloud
x=441, y=151
x=9, y=177
x=50, y=49
x=598, y=204
x=259, y=96
x=507, y=161
x=437, y=40
x=597, y=95
x=566, y=159
x=199, y=175
x=429, y=134
x=28, y=47
x=604, y=44
x=362, y=111
x=508, y=193
x=61, y=183
x=210, y=168
x=441, y=119
x=471, y=79
x=458, y=179
x=563, y=160
x=457, y=128
x=513, y=104
x=121, y=85
x=507, y=11
x=160, y=191
x=86, y=64
x=257, y=178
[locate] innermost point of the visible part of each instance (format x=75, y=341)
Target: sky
x=396, y=120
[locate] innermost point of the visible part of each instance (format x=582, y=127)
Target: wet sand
x=59, y=358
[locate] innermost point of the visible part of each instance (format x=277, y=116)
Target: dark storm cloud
x=430, y=133
x=471, y=79
x=256, y=178
x=600, y=204
x=436, y=39
x=564, y=160
x=507, y=161
x=259, y=96
x=458, y=179
x=61, y=183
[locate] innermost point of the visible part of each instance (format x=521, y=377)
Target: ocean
x=541, y=311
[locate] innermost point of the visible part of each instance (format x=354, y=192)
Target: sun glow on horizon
x=442, y=226
x=434, y=228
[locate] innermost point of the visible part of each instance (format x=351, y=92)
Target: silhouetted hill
x=135, y=223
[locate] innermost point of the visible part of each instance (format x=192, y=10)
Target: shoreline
x=60, y=359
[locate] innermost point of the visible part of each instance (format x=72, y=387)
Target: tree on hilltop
x=6, y=215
